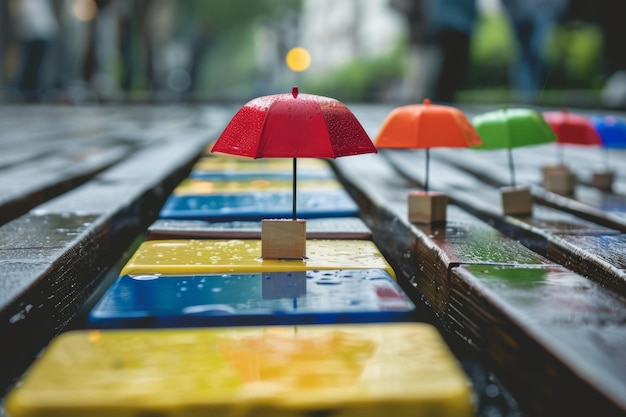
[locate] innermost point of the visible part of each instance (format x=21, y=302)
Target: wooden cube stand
x=603, y=180
x=283, y=239
x=517, y=201
x=427, y=206
x=559, y=179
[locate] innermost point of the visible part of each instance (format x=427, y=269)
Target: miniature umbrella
x=294, y=126
x=572, y=128
x=425, y=126
x=612, y=131
x=512, y=128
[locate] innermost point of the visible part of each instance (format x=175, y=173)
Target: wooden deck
x=533, y=306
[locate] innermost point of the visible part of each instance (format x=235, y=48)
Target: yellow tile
x=172, y=257
x=350, y=370
x=223, y=163
x=191, y=186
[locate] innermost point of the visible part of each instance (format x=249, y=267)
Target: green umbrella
x=512, y=128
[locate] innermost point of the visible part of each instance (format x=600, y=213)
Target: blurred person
x=96, y=53
x=197, y=32
x=35, y=27
x=614, y=34
x=202, y=41
x=531, y=22
x=423, y=55
x=157, y=23
x=6, y=42
x=453, y=23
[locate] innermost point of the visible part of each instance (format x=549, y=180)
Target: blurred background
x=544, y=52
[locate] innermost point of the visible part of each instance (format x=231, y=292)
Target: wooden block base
x=427, y=207
x=603, y=180
x=517, y=201
x=283, y=239
x=559, y=179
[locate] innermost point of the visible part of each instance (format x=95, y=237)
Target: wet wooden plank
x=608, y=209
x=47, y=151
x=329, y=228
x=583, y=160
x=544, y=232
x=24, y=186
x=464, y=239
x=53, y=257
x=520, y=316
x=553, y=333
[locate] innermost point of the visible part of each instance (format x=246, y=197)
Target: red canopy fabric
x=572, y=128
x=294, y=126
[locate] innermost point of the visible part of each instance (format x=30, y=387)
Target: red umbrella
x=425, y=126
x=294, y=126
x=572, y=128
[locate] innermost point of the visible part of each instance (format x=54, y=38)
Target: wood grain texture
x=509, y=322
x=53, y=257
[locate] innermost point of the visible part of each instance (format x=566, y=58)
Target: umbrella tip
x=294, y=91
x=427, y=101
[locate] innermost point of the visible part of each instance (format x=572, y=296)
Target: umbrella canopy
x=612, y=131
x=512, y=128
x=572, y=128
x=294, y=126
x=425, y=126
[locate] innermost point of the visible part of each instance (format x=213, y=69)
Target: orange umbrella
x=425, y=126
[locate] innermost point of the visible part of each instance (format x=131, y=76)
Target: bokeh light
x=84, y=10
x=298, y=59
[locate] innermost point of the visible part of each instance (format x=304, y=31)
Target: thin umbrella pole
x=511, y=167
x=561, y=153
x=295, y=173
x=427, y=169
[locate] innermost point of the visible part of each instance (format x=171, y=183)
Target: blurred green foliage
x=574, y=55
x=229, y=66
x=232, y=15
x=492, y=49
x=363, y=79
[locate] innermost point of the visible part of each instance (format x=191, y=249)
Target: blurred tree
x=491, y=52
x=575, y=56
x=224, y=65
x=231, y=15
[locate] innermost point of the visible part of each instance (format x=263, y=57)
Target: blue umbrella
x=612, y=131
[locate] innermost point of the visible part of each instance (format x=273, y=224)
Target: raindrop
x=144, y=277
